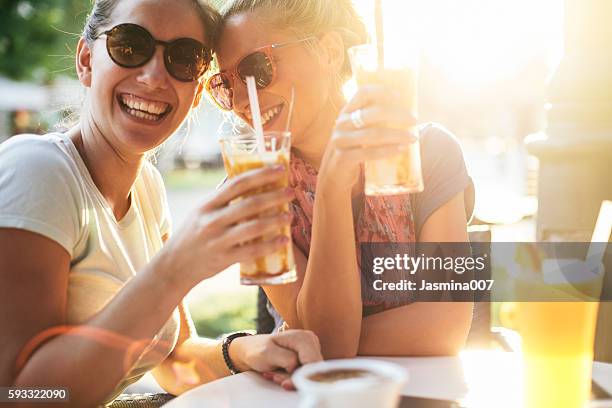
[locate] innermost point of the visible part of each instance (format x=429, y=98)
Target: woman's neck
x=112, y=172
x=316, y=137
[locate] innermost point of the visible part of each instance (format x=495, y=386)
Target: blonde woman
x=303, y=44
x=90, y=297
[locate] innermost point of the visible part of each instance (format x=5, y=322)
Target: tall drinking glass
x=558, y=334
x=399, y=174
x=240, y=154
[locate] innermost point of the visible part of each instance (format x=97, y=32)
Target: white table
x=481, y=378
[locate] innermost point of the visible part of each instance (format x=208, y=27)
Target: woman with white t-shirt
x=90, y=297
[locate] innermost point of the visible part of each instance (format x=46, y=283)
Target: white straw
x=291, y=103
x=256, y=114
x=380, y=34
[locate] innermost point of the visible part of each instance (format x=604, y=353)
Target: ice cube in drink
x=399, y=174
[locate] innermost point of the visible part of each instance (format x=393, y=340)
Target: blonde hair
x=306, y=18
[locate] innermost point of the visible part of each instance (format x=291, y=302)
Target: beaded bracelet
x=225, y=349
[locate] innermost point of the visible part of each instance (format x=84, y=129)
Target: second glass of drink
x=399, y=174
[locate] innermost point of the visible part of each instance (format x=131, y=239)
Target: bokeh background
x=484, y=67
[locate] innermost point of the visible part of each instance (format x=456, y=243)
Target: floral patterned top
x=379, y=219
x=391, y=219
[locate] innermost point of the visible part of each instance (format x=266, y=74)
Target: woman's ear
x=83, y=62
x=198, y=95
x=333, y=48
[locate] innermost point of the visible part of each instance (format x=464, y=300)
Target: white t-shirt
x=46, y=188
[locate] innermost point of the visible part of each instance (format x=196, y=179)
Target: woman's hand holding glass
x=374, y=124
x=222, y=230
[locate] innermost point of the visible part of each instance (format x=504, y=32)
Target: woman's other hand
x=374, y=124
x=222, y=231
x=276, y=355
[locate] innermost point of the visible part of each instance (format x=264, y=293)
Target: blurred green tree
x=38, y=37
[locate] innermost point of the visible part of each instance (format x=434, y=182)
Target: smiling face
x=297, y=65
x=137, y=109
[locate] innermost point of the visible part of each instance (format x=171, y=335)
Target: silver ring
x=357, y=119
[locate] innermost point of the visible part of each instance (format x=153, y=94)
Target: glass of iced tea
x=240, y=154
x=400, y=174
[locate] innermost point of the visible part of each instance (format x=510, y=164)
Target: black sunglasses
x=132, y=46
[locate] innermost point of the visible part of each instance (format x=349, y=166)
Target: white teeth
x=142, y=115
x=267, y=116
x=150, y=107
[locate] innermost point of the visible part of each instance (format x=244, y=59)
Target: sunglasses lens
x=130, y=45
x=220, y=89
x=187, y=59
x=257, y=65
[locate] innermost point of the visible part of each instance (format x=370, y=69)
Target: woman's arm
x=34, y=271
x=329, y=302
x=193, y=361
x=197, y=360
x=34, y=275
x=434, y=328
x=329, y=299
x=326, y=298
